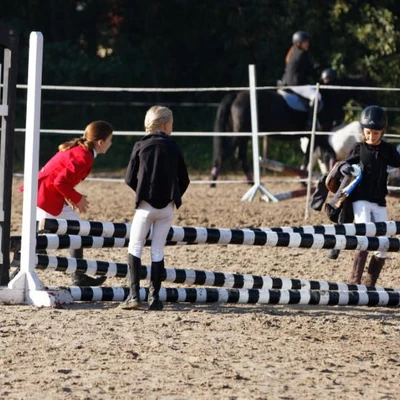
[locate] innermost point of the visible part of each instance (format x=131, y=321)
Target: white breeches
x=365, y=211
x=159, y=220
x=66, y=213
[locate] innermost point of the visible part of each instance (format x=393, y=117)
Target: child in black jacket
x=369, y=196
x=157, y=173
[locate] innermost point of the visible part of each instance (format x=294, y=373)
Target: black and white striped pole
x=242, y=296
x=196, y=277
x=197, y=236
x=122, y=230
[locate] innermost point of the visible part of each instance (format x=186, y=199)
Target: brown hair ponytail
x=290, y=52
x=96, y=130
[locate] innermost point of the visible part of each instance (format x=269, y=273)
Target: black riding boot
x=80, y=279
x=157, y=269
x=358, y=267
x=374, y=269
x=333, y=254
x=133, y=300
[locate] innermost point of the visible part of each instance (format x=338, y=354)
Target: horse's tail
x=223, y=121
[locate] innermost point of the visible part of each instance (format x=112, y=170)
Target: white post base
x=26, y=288
x=37, y=298
x=49, y=298
x=12, y=296
x=266, y=195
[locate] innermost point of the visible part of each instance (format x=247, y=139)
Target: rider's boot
x=133, y=299
x=360, y=259
x=157, y=270
x=80, y=279
x=374, y=269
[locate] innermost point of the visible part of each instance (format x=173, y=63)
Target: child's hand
x=83, y=204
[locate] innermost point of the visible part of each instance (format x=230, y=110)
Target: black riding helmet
x=329, y=74
x=373, y=117
x=300, y=36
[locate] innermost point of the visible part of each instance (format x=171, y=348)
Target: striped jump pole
x=85, y=228
x=195, y=277
x=242, y=296
x=278, y=166
x=223, y=237
x=291, y=194
x=53, y=242
x=121, y=230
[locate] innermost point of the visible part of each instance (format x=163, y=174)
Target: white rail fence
x=254, y=134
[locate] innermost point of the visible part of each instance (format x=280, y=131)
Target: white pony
x=342, y=138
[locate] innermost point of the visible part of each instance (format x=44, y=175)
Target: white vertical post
x=254, y=130
x=32, y=143
x=311, y=152
x=26, y=280
x=254, y=124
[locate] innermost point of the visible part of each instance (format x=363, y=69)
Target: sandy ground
x=95, y=351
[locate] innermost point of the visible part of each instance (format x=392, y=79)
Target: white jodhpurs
x=66, y=213
x=159, y=220
x=365, y=211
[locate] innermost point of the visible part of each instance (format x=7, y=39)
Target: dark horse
x=274, y=115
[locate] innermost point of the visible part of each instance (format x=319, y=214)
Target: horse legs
x=242, y=155
x=326, y=157
x=223, y=148
x=218, y=150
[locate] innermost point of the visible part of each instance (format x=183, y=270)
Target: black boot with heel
x=374, y=269
x=133, y=299
x=358, y=267
x=80, y=279
x=157, y=272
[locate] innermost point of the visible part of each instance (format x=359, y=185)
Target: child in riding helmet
x=369, y=196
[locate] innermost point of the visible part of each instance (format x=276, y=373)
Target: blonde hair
x=96, y=130
x=156, y=117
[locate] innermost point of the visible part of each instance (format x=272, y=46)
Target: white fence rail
x=254, y=135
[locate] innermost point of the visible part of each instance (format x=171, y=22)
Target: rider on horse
x=299, y=70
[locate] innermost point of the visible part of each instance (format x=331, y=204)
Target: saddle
x=296, y=101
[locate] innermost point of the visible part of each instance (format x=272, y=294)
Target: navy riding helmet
x=373, y=117
x=329, y=74
x=300, y=36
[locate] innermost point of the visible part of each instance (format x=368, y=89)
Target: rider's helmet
x=300, y=36
x=373, y=117
x=328, y=74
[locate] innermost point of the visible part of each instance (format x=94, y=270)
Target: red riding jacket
x=58, y=178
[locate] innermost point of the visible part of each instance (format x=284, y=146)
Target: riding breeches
x=66, y=213
x=365, y=211
x=159, y=220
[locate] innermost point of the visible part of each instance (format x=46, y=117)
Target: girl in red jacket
x=57, y=197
